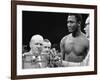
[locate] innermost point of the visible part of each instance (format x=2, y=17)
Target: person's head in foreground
x=36, y=44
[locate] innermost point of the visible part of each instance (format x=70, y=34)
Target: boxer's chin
x=70, y=31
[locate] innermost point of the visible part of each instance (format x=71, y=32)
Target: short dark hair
x=77, y=16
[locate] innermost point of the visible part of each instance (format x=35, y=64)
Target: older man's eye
x=48, y=47
x=45, y=46
x=36, y=43
x=41, y=44
x=86, y=24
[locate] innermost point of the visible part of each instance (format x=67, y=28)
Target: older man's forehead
x=37, y=38
x=87, y=20
x=37, y=41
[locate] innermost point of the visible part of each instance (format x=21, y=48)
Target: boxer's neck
x=76, y=33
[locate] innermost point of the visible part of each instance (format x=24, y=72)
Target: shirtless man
x=31, y=58
x=74, y=47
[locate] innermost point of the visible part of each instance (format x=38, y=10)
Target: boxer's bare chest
x=75, y=45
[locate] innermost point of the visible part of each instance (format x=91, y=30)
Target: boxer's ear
x=79, y=23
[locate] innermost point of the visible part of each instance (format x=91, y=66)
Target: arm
x=62, y=49
x=85, y=62
x=58, y=61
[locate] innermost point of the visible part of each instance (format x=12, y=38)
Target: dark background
x=52, y=26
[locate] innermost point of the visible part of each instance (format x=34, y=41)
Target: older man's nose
x=85, y=28
x=39, y=48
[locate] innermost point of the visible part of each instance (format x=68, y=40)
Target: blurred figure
x=31, y=58
x=45, y=57
x=87, y=25
x=24, y=49
x=87, y=31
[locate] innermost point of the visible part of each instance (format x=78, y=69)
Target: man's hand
x=57, y=61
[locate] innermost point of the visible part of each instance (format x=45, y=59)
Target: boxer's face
x=72, y=23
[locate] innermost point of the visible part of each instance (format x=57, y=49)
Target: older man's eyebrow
x=87, y=24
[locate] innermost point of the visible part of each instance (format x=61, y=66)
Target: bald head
x=37, y=38
x=36, y=43
x=87, y=25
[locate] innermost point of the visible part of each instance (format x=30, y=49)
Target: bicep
x=62, y=48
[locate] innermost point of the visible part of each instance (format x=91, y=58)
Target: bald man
x=87, y=31
x=75, y=46
x=87, y=25
x=32, y=58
